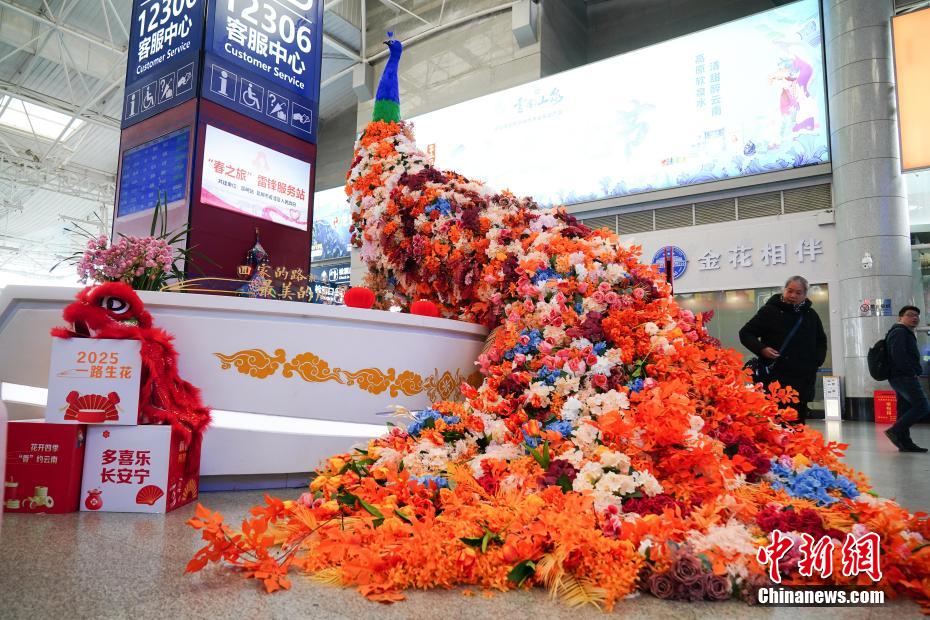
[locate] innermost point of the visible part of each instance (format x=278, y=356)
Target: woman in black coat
x=797, y=364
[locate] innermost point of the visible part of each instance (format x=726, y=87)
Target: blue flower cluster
x=600, y=347
x=535, y=338
x=441, y=483
x=578, y=307
x=532, y=442
x=548, y=376
x=812, y=483
x=564, y=427
x=635, y=385
x=442, y=205
x=422, y=418
x=545, y=274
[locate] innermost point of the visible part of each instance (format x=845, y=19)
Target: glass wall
x=733, y=309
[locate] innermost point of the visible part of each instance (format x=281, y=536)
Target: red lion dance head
x=114, y=311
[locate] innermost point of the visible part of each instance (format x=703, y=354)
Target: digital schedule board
x=156, y=170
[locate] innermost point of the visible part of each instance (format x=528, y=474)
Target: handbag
x=762, y=369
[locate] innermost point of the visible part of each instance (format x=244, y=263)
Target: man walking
x=904, y=368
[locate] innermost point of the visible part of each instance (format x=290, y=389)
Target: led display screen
x=156, y=169
x=252, y=179
x=912, y=66
x=332, y=217
x=739, y=99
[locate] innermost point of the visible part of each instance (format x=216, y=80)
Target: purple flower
x=717, y=587
x=687, y=569
x=661, y=586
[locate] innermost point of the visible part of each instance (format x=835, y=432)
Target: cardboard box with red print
x=137, y=469
x=94, y=381
x=43, y=467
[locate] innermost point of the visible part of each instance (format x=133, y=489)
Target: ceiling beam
x=74, y=32
x=33, y=96
x=342, y=49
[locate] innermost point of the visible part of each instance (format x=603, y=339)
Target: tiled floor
x=107, y=565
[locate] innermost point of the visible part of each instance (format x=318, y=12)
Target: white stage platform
x=272, y=370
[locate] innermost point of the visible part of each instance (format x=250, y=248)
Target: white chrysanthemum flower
x=387, y=457
x=648, y=483
x=602, y=366
x=538, y=394
x=568, y=385
x=617, y=460
x=613, y=400
x=651, y=328
x=498, y=451
x=585, y=435
x=571, y=408
x=575, y=457
x=605, y=499
x=733, y=539
x=621, y=484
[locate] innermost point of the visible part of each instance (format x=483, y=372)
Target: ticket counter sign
x=164, y=51
x=94, y=381
x=263, y=60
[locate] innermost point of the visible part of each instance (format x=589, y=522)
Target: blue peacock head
x=387, y=99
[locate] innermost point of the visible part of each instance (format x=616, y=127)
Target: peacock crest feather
x=387, y=99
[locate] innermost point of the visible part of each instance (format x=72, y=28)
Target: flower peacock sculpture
x=611, y=447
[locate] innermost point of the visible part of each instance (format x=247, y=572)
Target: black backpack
x=879, y=364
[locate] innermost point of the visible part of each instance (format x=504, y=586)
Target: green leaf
x=473, y=542
x=564, y=483
x=541, y=457
x=402, y=516
x=371, y=509
x=522, y=571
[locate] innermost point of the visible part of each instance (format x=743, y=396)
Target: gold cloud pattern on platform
x=312, y=368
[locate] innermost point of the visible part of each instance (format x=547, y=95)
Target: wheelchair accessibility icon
x=251, y=95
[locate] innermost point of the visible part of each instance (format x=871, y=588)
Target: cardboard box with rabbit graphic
x=94, y=381
x=43, y=467
x=138, y=469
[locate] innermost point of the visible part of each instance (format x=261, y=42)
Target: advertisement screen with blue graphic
x=152, y=171
x=164, y=47
x=328, y=284
x=739, y=99
x=332, y=218
x=263, y=60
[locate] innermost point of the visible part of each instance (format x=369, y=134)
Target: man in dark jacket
x=904, y=368
x=795, y=364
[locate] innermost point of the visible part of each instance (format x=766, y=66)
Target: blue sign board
x=679, y=261
x=164, y=50
x=263, y=60
x=156, y=169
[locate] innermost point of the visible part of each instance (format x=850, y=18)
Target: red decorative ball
x=425, y=308
x=359, y=297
